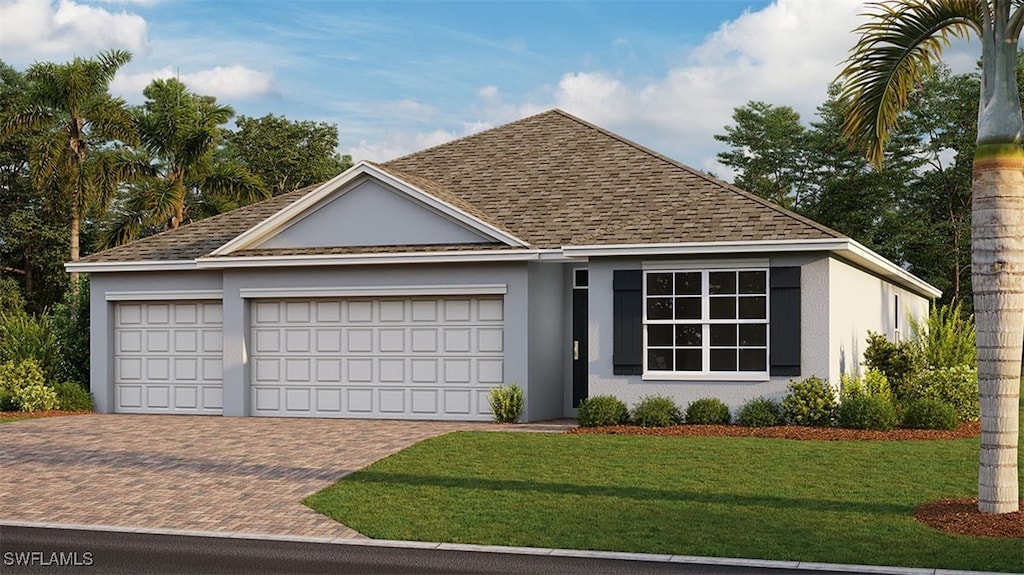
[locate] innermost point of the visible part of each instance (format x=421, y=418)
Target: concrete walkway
x=213, y=474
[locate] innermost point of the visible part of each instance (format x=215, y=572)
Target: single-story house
x=547, y=252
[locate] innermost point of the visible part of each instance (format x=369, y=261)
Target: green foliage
x=602, y=410
x=760, y=412
x=947, y=338
x=926, y=413
x=898, y=361
x=27, y=337
x=867, y=412
x=708, y=411
x=72, y=397
x=10, y=297
x=70, y=325
x=507, y=403
x=873, y=384
x=811, y=401
x=656, y=411
x=955, y=386
x=286, y=155
x=23, y=383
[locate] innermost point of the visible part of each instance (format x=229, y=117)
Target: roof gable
x=427, y=218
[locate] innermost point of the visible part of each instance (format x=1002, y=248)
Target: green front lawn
x=837, y=502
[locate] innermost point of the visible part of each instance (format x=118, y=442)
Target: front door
x=580, y=368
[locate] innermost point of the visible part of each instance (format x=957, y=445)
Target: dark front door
x=579, y=345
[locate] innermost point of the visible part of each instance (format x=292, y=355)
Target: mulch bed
x=37, y=414
x=971, y=429
x=961, y=516
x=957, y=516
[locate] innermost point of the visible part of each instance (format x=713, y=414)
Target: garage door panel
x=377, y=357
x=168, y=357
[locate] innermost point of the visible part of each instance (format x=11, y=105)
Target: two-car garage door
x=416, y=358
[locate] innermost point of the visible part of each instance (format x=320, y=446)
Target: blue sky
x=400, y=76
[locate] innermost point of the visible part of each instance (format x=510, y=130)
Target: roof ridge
x=700, y=174
x=472, y=136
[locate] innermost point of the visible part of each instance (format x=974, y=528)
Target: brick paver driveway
x=240, y=474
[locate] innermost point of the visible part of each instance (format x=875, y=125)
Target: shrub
x=24, y=381
x=10, y=296
x=656, y=411
x=70, y=326
x=956, y=386
x=27, y=337
x=928, y=413
x=873, y=384
x=507, y=403
x=867, y=412
x=72, y=397
x=809, y=402
x=897, y=361
x=602, y=410
x=708, y=411
x=947, y=338
x=760, y=412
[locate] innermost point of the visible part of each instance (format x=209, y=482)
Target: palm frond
x=900, y=41
x=233, y=181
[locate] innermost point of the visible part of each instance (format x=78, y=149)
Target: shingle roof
x=551, y=180
x=555, y=180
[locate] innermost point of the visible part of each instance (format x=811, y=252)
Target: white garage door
x=168, y=357
x=413, y=358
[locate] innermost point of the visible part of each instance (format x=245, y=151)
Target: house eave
x=846, y=248
x=231, y=262
x=137, y=266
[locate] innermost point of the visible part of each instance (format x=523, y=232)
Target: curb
x=580, y=553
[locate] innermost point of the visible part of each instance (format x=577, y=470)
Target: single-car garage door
x=168, y=357
x=414, y=358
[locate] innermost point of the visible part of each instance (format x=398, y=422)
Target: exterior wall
x=859, y=302
x=372, y=215
x=814, y=355
x=546, y=342
x=101, y=328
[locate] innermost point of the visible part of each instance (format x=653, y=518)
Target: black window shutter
x=627, y=323
x=784, y=321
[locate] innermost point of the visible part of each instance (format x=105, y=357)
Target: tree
x=767, y=151
x=72, y=115
x=900, y=40
x=181, y=178
x=286, y=155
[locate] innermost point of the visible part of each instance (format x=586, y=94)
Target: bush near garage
x=507, y=403
x=23, y=387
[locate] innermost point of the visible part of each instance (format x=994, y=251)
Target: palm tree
x=73, y=116
x=180, y=133
x=901, y=40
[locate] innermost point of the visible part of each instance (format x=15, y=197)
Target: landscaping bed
x=969, y=429
x=13, y=415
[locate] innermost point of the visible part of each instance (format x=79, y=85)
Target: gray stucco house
x=547, y=252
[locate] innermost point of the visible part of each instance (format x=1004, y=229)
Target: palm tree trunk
x=76, y=225
x=998, y=273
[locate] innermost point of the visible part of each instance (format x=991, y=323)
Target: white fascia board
x=276, y=222
x=862, y=255
x=703, y=248
x=164, y=295
x=374, y=291
x=140, y=266
x=368, y=259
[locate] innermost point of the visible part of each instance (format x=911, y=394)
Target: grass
x=836, y=502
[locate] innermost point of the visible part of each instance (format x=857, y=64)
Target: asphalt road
x=32, y=549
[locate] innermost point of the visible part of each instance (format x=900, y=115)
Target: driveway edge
x=581, y=553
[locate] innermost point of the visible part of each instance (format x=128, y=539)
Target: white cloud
x=784, y=54
x=224, y=82
x=30, y=29
x=395, y=143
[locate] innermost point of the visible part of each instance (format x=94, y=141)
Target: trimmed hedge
x=929, y=413
x=760, y=412
x=867, y=412
x=811, y=402
x=708, y=411
x=602, y=410
x=656, y=411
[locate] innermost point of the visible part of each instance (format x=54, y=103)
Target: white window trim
x=164, y=295
x=706, y=322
